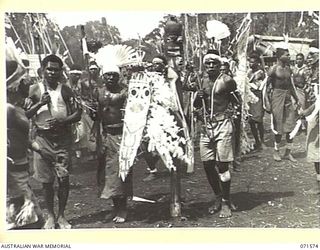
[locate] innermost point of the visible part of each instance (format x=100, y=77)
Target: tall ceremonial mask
x=135, y=118
x=149, y=115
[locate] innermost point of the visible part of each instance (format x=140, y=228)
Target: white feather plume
x=118, y=55
x=217, y=30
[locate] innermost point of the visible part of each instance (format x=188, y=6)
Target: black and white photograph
x=149, y=119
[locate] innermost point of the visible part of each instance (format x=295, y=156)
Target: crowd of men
x=64, y=112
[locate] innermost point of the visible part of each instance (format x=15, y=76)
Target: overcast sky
x=130, y=24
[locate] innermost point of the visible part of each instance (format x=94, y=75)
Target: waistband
x=113, y=129
x=219, y=117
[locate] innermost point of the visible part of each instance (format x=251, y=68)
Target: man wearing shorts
x=54, y=110
x=216, y=148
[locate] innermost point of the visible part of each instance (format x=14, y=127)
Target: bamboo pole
x=45, y=43
x=15, y=32
x=65, y=45
x=31, y=43
x=190, y=167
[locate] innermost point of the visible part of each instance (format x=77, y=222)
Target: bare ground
x=268, y=194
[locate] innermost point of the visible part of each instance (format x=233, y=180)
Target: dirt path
x=268, y=194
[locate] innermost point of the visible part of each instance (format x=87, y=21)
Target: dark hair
x=255, y=55
x=280, y=52
x=51, y=58
x=162, y=57
x=300, y=54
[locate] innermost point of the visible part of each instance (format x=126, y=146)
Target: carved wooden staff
x=172, y=31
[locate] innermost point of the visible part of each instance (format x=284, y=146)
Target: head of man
x=110, y=75
x=94, y=70
x=179, y=62
x=309, y=60
x=52, y=69
x=283, y=55
x=313, y=58
x=299, y=59
x=313, y=52
x=254, y=61
x=212, y=62
x=75, y=73
x=159, y=63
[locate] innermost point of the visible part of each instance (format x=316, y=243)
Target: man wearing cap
x=54, y=111
x=312, y=114
x=280, y=91
x=216, y=148
x=111, y=98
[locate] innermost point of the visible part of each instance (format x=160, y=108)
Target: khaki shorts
x=219, y=148
x=44, y=171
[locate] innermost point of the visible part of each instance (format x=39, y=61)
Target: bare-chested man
x=54, y=110
x=280, y=89
x=23, y=210
x=111, y=98
x=256, y=76
x=216, y=135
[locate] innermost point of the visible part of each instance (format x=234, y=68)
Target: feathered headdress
x=111, y=57
x=217, y=30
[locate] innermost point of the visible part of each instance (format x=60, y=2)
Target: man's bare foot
x=120, y=217
x=225, y=211
x=215, y=207
x=50, y=223
x=63, y=223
